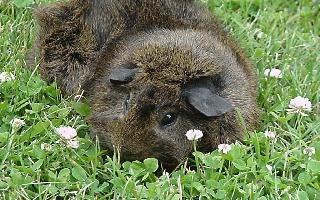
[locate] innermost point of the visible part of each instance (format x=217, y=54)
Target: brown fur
x=172, y=43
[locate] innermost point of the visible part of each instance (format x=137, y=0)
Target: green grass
x=290, y=42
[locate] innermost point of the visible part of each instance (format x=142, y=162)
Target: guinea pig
x=151, y=70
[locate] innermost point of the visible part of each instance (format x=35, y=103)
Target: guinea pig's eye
x=169, y=119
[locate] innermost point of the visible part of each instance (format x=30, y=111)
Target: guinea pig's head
x=158, y=87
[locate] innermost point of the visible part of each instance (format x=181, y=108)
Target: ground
x=279, y=161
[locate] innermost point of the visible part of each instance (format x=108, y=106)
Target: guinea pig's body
x=151, y=70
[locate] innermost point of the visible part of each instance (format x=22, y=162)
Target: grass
x=275, y=34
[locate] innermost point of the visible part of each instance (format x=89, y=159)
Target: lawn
x=281, y=160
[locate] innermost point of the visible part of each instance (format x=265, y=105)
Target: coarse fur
x=171, y=44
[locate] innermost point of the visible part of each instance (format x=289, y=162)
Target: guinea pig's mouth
x=169, y=162
x=166, y=160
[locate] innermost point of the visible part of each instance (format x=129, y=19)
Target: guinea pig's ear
x=122, y=75
x=206, y=102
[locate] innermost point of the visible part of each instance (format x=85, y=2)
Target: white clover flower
x=46, y=147
x=17, y=123
x=67, y=133
x=270, y=134
x=73, y=143
x=259, y=33
x=166, y=174
x=309, y=151
x=287, y=190
x=269, y=168
x=287, y=153
x=6, y=76
x=248, y=25
x=194, y=134
x=299, y=105
x=275, y=73
x=225, y=148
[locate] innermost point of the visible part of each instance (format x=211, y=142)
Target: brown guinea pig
x=151, y=70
